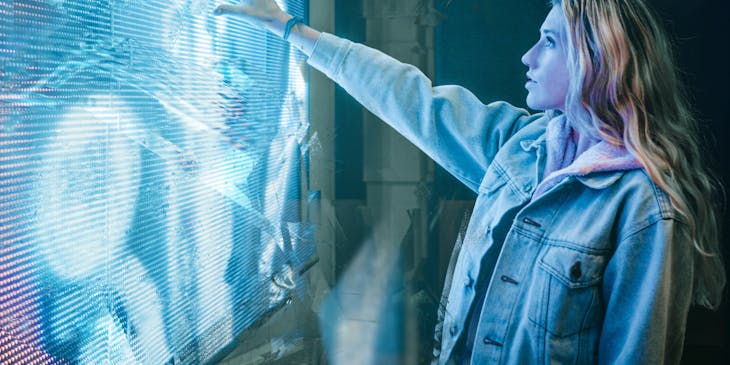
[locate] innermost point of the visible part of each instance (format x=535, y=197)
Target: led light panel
x=150, y=172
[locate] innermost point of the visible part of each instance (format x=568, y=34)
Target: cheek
x=558, y=86
x=553, y=82
x=559, y=80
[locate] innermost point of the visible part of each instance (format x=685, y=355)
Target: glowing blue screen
x=151, y=162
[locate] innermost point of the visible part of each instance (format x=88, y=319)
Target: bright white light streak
x=212, y=235
x=77, y=173
x=97, y=177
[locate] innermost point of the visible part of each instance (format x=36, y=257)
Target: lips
x=530, y=81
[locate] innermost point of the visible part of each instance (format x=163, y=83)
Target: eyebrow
x=550, y=31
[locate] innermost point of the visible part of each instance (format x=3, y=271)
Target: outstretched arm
x=268, y=15
x=448, y=123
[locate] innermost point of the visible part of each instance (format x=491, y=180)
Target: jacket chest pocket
x=568, y=298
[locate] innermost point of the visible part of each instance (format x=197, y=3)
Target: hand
x=258, y=12
x=268, y=15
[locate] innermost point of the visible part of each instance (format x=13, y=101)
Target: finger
x=226, y=9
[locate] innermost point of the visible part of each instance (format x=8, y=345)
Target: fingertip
x=221, y=9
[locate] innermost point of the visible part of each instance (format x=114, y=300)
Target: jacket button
x=527, y=187
x=489, y=341
x=453, y=330
x=575, y=271
x=531, y=222
x=468, y=282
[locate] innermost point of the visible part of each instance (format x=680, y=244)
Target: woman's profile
x=592, y=234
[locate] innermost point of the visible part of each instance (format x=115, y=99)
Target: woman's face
x=547, y=77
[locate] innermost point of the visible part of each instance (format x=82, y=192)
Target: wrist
x=277, y=23
x=289, y=26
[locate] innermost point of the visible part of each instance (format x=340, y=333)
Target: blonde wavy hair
x=624, y=82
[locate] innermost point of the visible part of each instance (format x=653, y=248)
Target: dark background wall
x=700, y=33
x=479, y=44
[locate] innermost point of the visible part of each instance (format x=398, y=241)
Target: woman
x=591, y=235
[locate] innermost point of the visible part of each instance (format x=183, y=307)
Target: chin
x=540, y=105
x=535, y=106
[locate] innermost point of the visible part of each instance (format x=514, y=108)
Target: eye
x=549, y=42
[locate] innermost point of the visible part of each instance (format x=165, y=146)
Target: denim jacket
x=586, y=272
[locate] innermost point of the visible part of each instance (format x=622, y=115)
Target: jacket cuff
x=329, y=53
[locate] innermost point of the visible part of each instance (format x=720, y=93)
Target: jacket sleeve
x=647, y=292
x=448, y=123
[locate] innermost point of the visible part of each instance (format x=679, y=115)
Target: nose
x=528, y=58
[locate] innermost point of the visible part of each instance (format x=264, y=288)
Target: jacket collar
x=598, y=167
x=591, y=180
x=600, y=181
x=533, y=144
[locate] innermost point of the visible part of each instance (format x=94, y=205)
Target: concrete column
x=395, y=171
x=322, y=121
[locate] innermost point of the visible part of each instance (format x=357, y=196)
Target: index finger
x=227, y=9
